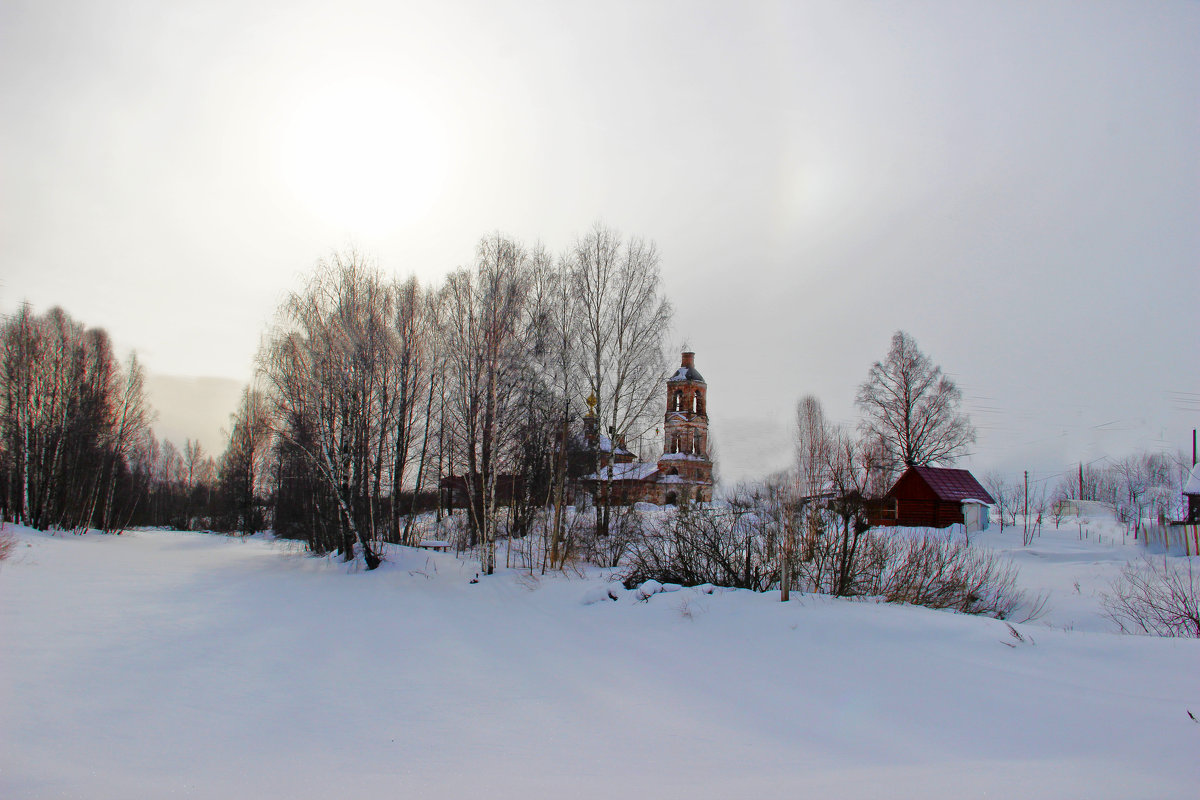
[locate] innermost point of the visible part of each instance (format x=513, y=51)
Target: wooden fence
x=1174, y=538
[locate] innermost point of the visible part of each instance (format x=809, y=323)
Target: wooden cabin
x=931, y=497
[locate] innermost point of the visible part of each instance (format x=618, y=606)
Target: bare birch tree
x=70, y=421
x=483, y=318
x=623, y=319
x=324, y=367
x=408, y=372
x=813, y=446
x=912, y=408
x=132, y=421
x=243, y=466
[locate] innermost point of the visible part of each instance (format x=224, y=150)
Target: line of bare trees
x=370, y=389
x=71, y=418
x=375, y=388
x=179, y=485
x=1136, y=487
x=77, y=451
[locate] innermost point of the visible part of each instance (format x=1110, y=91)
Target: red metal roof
x=953, y=485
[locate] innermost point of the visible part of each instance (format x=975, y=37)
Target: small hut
x=934, y=497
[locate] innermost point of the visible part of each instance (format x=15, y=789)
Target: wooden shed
x=931, y=497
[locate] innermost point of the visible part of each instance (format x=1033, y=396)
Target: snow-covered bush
x=1160, y=599
x=598, y=594
x=649, y=589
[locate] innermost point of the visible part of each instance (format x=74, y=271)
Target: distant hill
x=193, y=408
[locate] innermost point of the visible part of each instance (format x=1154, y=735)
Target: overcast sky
x=1017, y=184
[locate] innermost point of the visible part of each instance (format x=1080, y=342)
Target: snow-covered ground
x=158, y=664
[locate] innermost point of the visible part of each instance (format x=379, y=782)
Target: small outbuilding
x=1191, y=490
x=935, y=497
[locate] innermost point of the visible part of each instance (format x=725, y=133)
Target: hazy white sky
x=1015, y=183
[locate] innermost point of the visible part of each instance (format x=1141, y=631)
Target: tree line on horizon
x=369, y=389
x=77, y=450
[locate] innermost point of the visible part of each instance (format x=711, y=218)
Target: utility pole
x=1080, y=480
x=1025, y=539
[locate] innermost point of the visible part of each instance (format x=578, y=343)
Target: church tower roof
x=687, y=370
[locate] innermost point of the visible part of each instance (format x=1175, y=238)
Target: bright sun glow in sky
x=1015, y=184
x=362, y=156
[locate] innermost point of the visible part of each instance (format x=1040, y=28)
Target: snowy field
x=162, y=664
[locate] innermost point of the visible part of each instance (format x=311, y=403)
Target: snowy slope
x=174, y=664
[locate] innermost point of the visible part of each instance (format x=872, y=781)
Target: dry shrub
x=7, y=543
x=1158, y=599
x=941, y=573
x=626, y=527
x=741, y=548
x=724, y=546
x=742, y=543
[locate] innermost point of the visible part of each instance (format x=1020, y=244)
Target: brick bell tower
x=685, y=462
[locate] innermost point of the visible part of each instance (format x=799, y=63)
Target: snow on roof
x=606, y=446
x=680, y=457
x=633, y=471
x=1193, y=482
x=952, y=485
x=685, y=374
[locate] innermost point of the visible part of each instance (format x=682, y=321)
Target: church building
x=684, y=471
